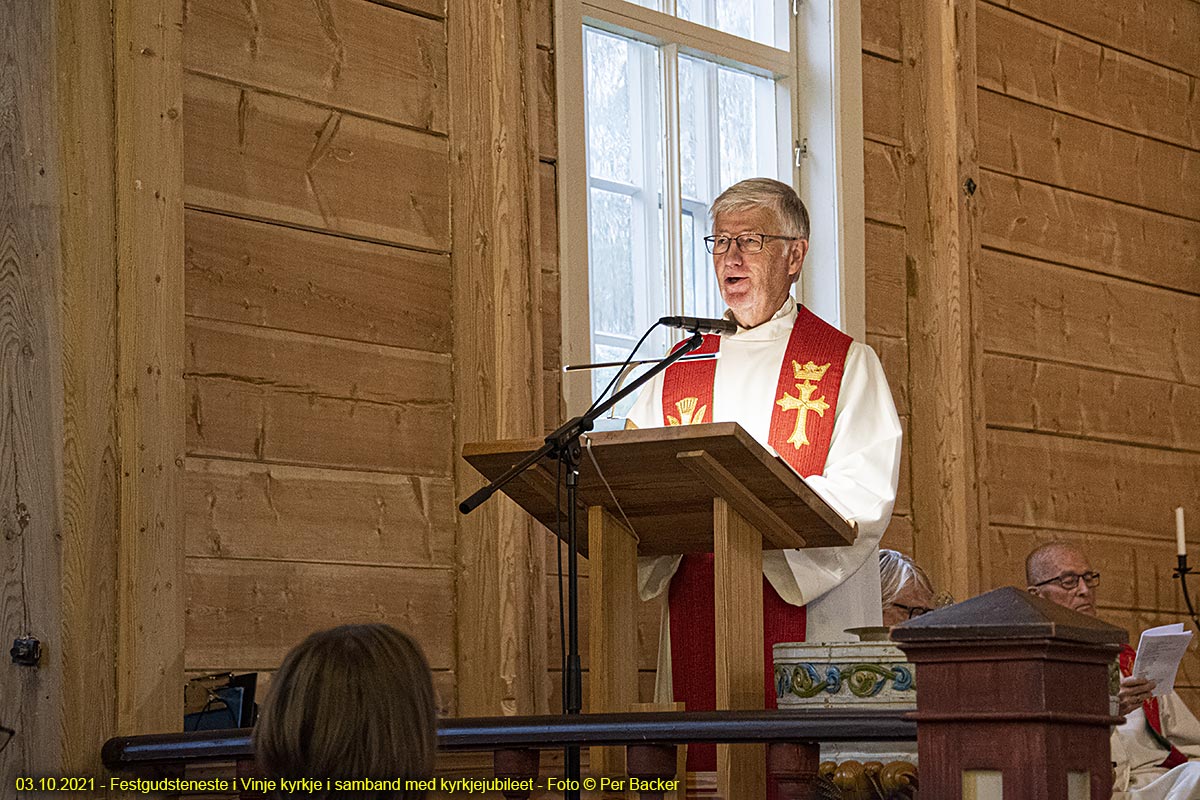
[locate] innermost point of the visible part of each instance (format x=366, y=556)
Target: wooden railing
x=650, y=740
x=1013, y=702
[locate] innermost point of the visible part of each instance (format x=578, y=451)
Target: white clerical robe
x=839, y=585
x=1136, y=755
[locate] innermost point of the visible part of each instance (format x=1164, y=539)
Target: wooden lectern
x=695, y=488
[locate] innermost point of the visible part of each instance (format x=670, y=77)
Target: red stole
x=1150, y=709
x=804, y=404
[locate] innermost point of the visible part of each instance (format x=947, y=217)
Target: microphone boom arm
x=575, y=427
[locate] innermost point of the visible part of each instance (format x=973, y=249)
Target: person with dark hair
x=353, y=703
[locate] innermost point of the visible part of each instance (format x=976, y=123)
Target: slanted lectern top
x=665, y=480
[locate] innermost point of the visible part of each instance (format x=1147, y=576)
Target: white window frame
x=820, y=85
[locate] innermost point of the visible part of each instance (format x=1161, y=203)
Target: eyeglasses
x=1070, y=580
x=913, y=611
x=747, y=242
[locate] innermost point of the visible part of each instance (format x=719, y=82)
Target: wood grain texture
x=246, y=510
x=496, y=78
x=882, y=117
x=1028, y=141
x=554, y=684
x=275, y=277
x=1059, y=483
x=884, y=168
x=547, y=106
x=238, y=418
x=314, y=365
x=31, y=406
x=899, y=536
x=149, y=180
x=275, y=158
x=1052, y=224
x=1166, y=32
x=544, y=9
x=1049, y=312
x=1026, y=59
x=430, y=8
x=443, y=685
x=943, y=317
x=250, y=613
x=90, y=480
x=1095, y=404
x=644, y=620
x=613, y=581
x=887, y=288
x=737, y=601
x=339, y=53
x=881, y=28
x=893, y=354
x=1135, y=573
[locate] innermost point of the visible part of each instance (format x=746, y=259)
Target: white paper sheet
x=1159, y=653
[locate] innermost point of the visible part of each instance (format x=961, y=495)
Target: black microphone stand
x=563, y=444
x=1181, y=572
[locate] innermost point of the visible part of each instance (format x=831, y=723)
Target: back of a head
x=354, y=702
x=895, y=570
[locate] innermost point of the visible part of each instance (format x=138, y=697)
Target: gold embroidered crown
x=810, y=371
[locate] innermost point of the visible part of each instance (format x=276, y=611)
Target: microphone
x=700, y=324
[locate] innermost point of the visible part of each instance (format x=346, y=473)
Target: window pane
x=700, y=295
x=762, y=21
x=610, y=217
x=601, y=377
x=746, y=127
x=693, y=111
x=626, y=256
x=610, y=143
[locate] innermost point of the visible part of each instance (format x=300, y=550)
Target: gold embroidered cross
x=804, y=403
x=688, y=413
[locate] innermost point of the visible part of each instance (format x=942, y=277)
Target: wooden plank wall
x=1089, y=143
x=887, y=161
x=319, y=387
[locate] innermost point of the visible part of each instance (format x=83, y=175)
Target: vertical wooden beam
x=612, y=558
x=90, y=210
x=497, y=348
x=90, y=491
x=738, y=601
x=945, y=351
x=30, y=390
x=148, y=45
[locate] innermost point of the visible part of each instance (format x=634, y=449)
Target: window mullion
x=672, y=200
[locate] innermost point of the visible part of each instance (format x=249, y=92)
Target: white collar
x=779, y=325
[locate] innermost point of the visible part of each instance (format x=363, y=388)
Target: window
x=662, y=105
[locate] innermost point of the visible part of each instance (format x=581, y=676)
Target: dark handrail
x=553, y=731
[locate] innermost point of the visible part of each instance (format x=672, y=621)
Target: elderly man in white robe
x=778, y=377
x=1154, y=748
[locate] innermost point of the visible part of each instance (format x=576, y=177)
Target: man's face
x=1067, y=562
x=755, y=285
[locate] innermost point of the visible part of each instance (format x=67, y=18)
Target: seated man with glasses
x=1153, y=747
x=803, y=388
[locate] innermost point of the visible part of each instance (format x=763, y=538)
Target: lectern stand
x=695, y=488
